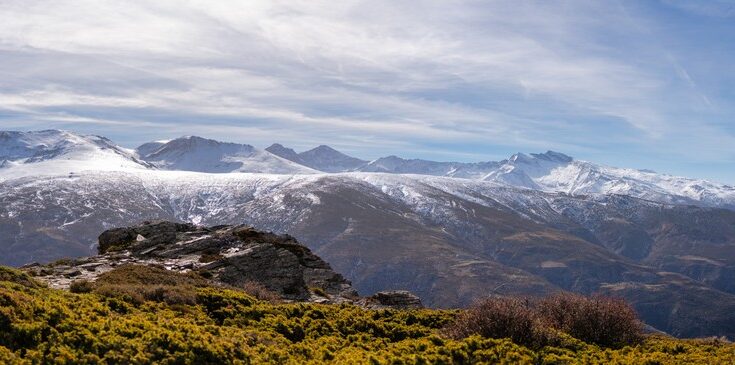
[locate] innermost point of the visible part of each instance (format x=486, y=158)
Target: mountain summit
x=56, y=152
x=52, y=152
x=207, y=155
x=327, y=159
x=285, y=152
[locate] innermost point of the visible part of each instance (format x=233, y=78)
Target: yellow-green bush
x=42, y=325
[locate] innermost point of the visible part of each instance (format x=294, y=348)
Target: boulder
x=399, y=299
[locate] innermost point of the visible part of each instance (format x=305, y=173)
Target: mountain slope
x=397, y=165
x=54, y=152
x=448, y=240
x=327, y=159
x=285, y=152
x=549, y=172
x=556, y=172
x=207, y=155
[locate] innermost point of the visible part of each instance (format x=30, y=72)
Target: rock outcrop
x=227, y=255
x=230, y=255
x=399, y=299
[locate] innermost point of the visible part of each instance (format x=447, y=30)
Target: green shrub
x=18, y=277
x=319, y=291
x=48, y=326
x=128, y=293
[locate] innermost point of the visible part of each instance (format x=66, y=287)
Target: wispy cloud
x=459, y=78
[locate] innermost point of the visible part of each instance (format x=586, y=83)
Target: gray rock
x=399, y=299
x=229, y=255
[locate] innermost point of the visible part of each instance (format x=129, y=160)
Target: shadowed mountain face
x=327, y=159
x=285, y=152
x=448, y=240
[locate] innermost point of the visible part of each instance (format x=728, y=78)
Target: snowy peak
x=30, y=147
x=285, y=152
x=553, y=157
x=148, y=148
x=55, y=151
x=550, y=157
x=392, y=164
x=199, y=154
x=557, y=172
x=327, y=159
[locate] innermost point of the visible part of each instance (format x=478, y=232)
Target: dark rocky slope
x=229, y=255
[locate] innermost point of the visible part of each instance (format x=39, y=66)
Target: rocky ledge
x=226, y=255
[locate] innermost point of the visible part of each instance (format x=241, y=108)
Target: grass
x=43, y=325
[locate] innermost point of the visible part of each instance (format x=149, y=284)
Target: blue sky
x=644, y=84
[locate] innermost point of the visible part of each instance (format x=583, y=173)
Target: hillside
x=444, y=239
x=42, y=325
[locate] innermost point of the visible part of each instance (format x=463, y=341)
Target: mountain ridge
x=447, y=239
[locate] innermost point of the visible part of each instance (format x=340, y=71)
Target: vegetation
x=42, y=325
x=18, y=277
x=606, y=322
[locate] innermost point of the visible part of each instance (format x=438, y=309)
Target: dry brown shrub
x=260, y=292
x=150, y=275
x=184, y=294
x=138, y=283
x=504, y=317
x=605, y=321
x=81, y=286
x=210, y=257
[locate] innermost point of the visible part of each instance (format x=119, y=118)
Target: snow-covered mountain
x=556, y=172
x=447, y=239
x=54, y=152
x=527, y=225
x=397, y=165
x=285, y=152
x=207, y=155
x=327, y=159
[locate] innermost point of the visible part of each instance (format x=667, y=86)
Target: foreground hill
x=207, y=325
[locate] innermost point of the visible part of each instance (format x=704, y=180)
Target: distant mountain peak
x=553, y=156
x=285, y=152
x=59, y=151
x=324, y=149
x=194, y=153
x=327, y=159
x=549, y=156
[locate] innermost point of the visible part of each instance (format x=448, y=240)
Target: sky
x=642, y=84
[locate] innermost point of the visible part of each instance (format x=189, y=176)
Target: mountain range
x=449, y=232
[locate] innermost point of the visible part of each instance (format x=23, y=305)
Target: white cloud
x=348, y=70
